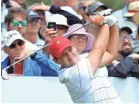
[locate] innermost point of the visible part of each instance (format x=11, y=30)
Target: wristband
x=105, y=22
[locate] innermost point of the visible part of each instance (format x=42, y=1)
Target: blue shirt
x=120, y=15
x=30, y=67
x=48, y=66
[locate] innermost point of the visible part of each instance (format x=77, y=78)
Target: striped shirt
x=84, y=86
x=135, y=45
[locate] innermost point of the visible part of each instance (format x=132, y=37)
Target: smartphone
x=51, y=25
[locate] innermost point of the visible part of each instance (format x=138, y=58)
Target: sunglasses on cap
x=19, y=43
x=16, y=23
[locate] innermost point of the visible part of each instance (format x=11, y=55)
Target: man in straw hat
x=84, y=82
x=133, y=15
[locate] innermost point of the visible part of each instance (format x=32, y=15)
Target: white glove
x=111, y=20
x=134, y=56
x=106, y=12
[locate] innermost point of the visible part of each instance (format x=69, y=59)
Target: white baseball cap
x=9, y=37
x=59, y=19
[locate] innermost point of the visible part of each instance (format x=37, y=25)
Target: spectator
x=70, y=3
x=91, y=5
x=33, y=29
x=6, y=4
x=16, y=19
x=133, y=8
x=132, y=15
x=81, y=83
x=40, y=11
x=61, y=23
x=126, y=64
x=4, y=11
x=19, y=15
x=68, y=12
x=119, y=14
x=14, y=46
x=82, y=40
x=135, y=43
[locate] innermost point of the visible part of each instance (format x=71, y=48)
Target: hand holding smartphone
x=52, y=25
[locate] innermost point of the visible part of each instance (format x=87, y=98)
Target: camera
x=52, y=25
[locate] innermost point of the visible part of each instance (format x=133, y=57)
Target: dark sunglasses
x=19, y=42
x=16, y=23
x=61, y=27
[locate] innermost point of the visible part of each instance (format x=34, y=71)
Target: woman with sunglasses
x=14, y=47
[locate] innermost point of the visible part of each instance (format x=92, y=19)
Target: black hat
x=127, y=29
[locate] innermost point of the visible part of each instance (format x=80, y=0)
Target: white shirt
x=39, y=43
x=135, y=45
x=84, y=86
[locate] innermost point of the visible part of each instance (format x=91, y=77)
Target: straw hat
x=132, y=9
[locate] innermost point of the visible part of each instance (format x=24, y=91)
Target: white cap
x=59, y=19
x=9, y=37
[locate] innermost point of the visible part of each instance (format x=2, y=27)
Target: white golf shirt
x=84, y=86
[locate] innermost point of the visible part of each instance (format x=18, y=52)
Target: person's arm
x=125, y=66
x=112, y=48
x=100, y=45
x=121, y=69
x=71, y=18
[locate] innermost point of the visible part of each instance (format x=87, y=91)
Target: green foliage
x=114, y=4
x=48, y=2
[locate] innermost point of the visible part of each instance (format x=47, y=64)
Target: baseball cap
x=58, y=19
x=94, y=6
x=58, y=45
x=9, y=37
x=33, y=15
x=130, y=25
x=91, y=38
x=132, y=9
x=127, y=29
